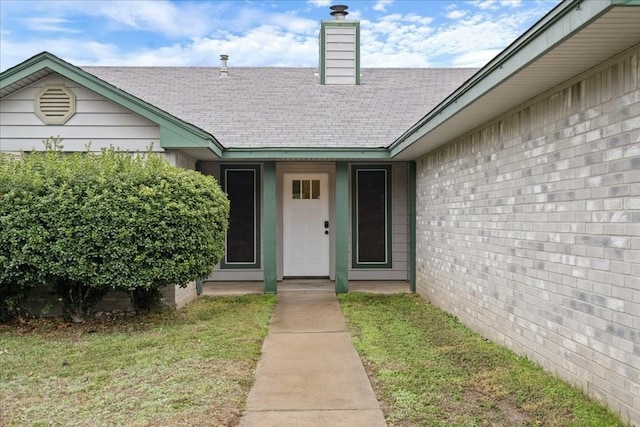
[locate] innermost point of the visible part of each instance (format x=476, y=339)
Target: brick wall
x=178, y=297
x=528, y=230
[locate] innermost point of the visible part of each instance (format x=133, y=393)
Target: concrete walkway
x=310, y=373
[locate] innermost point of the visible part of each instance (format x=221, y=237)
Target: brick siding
x=528, y=230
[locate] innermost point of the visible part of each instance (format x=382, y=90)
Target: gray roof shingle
x=287, y=107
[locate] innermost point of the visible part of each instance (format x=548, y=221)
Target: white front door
x=306, y=224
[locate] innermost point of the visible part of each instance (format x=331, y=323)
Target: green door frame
x=342, y=228
x=269, y=217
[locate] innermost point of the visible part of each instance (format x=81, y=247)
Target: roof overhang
x=571, y=39
x=306, y=154
x=174, y=133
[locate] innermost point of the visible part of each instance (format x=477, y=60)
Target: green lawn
x=194, y=367
x=191, y=367
x=429, y=370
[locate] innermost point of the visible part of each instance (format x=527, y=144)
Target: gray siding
x=528, y=230
x=97, y=120
x=400, y=226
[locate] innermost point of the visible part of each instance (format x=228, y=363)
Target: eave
x=573, y=38
x=305, y=154
x=174, y=133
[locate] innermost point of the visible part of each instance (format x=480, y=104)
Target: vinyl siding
x=97, y=121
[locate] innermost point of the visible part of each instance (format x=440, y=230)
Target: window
x=371, y=209
x=305, y=189
x=242, y=184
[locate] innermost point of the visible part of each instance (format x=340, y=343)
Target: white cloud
x=319, y=3
x=197, y=33
x=49, y=24
x=70, y=49
x=381, y=5
x=175, y=20
x=496, y=4
x=456, y=14
x=475, y=59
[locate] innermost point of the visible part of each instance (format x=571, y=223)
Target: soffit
x=24, y=82
x=615, y=31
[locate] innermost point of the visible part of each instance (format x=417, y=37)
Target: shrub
x=86, y=223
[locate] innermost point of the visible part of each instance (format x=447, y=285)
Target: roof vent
x=224, y=73
x=55, y=104
x=339, y=12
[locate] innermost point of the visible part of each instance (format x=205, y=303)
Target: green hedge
x=85, y=223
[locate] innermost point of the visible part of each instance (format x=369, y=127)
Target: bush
x=86, y=223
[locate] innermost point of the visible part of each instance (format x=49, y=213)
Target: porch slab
x=212, y=288
x=227, y=289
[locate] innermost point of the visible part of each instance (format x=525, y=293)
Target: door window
x=308, y=189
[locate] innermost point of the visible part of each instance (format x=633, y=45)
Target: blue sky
x=394, y=33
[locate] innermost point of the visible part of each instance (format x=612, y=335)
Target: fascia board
x=550, y=31
x=305, y=154
x=178, y=138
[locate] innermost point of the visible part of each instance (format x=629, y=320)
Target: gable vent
x=55, y=104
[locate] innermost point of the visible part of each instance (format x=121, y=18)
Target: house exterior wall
x=399, y=224
x=179, y=159
x=97, y=121
x=528, y=230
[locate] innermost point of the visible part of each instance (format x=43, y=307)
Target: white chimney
x=224, y=73
x=340, y=49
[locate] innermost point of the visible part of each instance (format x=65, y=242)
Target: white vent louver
x=55, y=104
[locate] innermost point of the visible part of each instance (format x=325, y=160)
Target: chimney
x=339, y=49
x=224, y=73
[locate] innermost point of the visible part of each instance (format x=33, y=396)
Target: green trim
x=306, y=153
x=179, y=134
x=257, y=201
x=323, y=42
x=413, y=183
x=342, y=228
x=354, y=217
x=270, y=214
x=554, y=28
x=358, y=53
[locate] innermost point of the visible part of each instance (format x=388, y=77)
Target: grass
x=191, y=367
x=430, y=370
